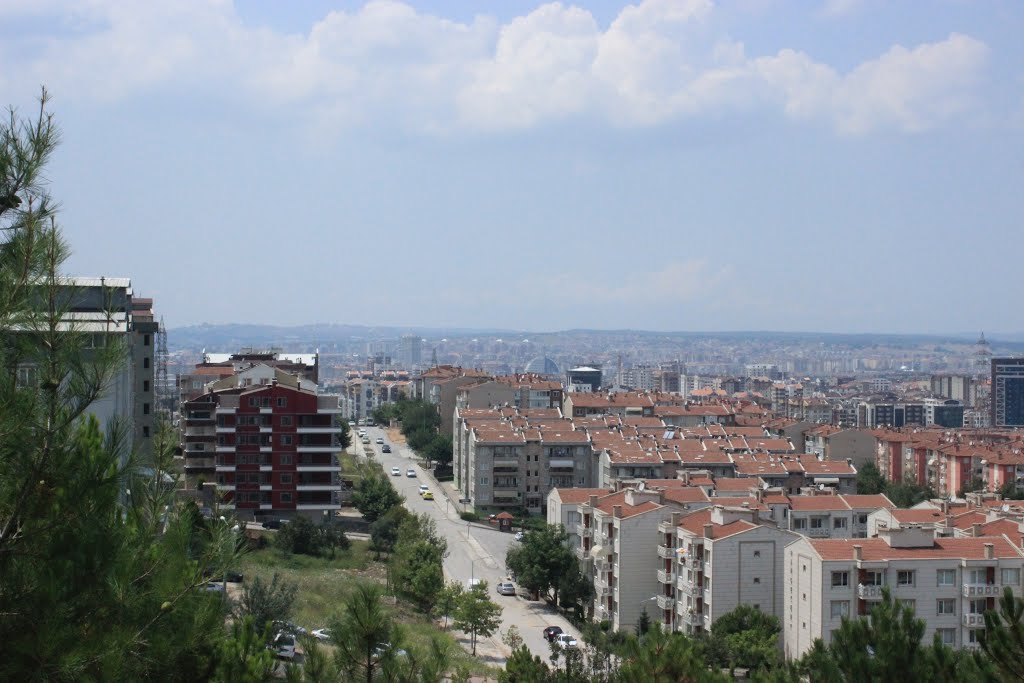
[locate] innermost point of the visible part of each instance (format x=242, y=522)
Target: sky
x=811, y=165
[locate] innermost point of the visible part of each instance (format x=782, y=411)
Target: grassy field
x=324, y=584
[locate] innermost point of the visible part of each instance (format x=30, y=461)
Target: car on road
x=366, y=439
x=385, y=449
x=565, y=640
x=506, y=588
x=520, y=535
x=423, y=489
x=395, y=472
x=551, y=632
x=428, y=495
x=380, y=440
x=410, y=472
x=465, y=499
x=283, y=646
x=322, y=634
x=362, y=432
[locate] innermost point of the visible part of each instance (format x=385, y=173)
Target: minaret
x=982, y=355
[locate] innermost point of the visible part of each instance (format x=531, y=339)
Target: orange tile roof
x=865, y=501
x=695, y=521
x=817, y=503
x=918, y=516
x=577, y=496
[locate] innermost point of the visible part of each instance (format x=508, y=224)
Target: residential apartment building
x=713, y=560
x=270, y=442
x=950, y=583
x=1007, y=398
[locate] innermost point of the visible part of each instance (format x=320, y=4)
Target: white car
x=380, y=440
x=410, y=472
x=506, y=588
x=322, y=634
x=283, y=646
x=564, y=640
x=395, y=472
x=520, y=535
x=423, y=489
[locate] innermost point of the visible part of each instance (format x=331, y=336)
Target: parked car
x=428, y=495
x=283, y=646
x=215, y=586
x=383, y=649
x=395, y=472
x=506, y=588
x=565, y=640
x=410, y=472
x=385, y=449
x=520, y=535
x=322, y=634
x=551, y=632
x=366, y=439
x=380, y=440
x=274, y=523
x=465, y=499
x=289, y=627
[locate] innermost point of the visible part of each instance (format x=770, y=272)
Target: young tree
x=384, y=532
x=745, y=637
x=525, y=667
x=449, y=599
x=302, y=537
x=512, y=638
x=870, y=479
x=542, y=559
x=244, y=657
x=661, y=657
x=375, y=496
x=363, y=626
x=643, y=623
x=264, y=603
x=476, y=614
x=1003, y=641
x=439, y=450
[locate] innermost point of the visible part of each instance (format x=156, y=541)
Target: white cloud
x=657, y=61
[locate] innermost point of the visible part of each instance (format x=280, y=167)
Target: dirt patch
x=395, y=435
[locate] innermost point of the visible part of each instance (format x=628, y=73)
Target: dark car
x=552, y=632
x=386, y=449
x=274, y=523
x=231, y=576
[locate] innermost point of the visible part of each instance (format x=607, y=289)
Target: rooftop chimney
x=592, y=501
x=617, y=510
x=709, y=531
x=858, y=552
x=990, y=551
x=676, y=517
x=976, y=529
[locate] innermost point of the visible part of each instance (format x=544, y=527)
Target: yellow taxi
x=428, y=495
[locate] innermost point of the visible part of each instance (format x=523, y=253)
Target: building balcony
x=326, y=486
x=265, y=429
x=224, y=448
x=225, y=410
x=317, y=448
x=666, y=577
x=225, y=430
x=866, y=592
x=318, y=506
x=981, y=590
x=694, y=590
x=506, y=464
x=583, y=531
x=317, y=467
x=973, y=620
x=666, y=553
x=666, y=602
x=199, y=463
x=266, y=411
x=581, y=552
x=602, y=591
x=691, y=562
x=822, y=532
x=603, y=565
x=693, y=619
x=318, y=430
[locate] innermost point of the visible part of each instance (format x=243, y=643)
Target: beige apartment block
x=713, y=560
x=826, y=515
x=617, y=534
x=950, y=582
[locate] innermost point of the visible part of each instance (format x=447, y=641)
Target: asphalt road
x=474, y=552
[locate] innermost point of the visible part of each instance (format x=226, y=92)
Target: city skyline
x=844, y=166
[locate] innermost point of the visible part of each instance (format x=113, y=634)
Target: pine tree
x=100, y=571
x=1003, y=640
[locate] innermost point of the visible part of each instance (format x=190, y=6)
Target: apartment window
x=839, y=523
x=484, y=481
x=286, y=439
x=945, y=606
x=286, y=420
x=286, y=497
x=945, y=577
x=862, y=519
x=757, y=553
x=145, y=385
x=974, y=636
x=909, y=604
x=947, y=636
x=757, y=579
x=977, y=606
x=840, y=579
x=817, y=522
x=1011, y=577
x=282, y=401
x=874, y=578
x=978, y=576
x=286, y=459
x=800, y=523
x=905, y=577
x=253, y=402
x=286, y=478
x=145, y=340
x=264, y=402
x=145, y=409
x=145, y=432
x=840, y=609
x=145, y=362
